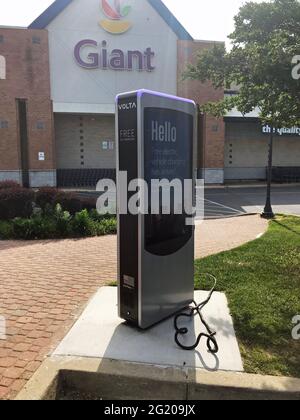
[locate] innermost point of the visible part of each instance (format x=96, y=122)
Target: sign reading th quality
x=284, y=131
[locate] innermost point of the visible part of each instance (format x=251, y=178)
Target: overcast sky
x=204, y=19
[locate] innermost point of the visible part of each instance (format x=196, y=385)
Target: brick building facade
x=26, y=120
x=57, y=113
x=211, y=130
x=58, y=83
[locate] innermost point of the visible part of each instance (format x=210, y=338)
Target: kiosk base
x=100, y=333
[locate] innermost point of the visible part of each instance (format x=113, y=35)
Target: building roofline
x=207, y=41
x=49, y=14
x=171, y=20
x=59, y=5
x=12, y=27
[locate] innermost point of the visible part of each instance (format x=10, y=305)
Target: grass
x=262, y=283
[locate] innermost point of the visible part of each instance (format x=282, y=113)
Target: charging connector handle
x=212, y=344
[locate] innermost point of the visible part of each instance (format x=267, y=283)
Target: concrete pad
x=99, y=333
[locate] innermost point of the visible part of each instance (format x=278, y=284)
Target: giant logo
x=92, y=54
x=116, y=12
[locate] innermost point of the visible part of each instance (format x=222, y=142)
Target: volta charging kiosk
x=155, y=140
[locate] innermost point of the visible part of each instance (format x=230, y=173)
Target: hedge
x=60, y=225
x=5, y=185
x=49, y=213
x=16, y=202
x=74, y=204
x=48, y=198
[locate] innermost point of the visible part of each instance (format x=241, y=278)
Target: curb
x=115, y=380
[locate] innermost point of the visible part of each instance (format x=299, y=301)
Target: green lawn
x=262, y=283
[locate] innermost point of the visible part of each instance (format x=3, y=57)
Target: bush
x=88, y=203
x=16, y=202
x=69, y=202
x=6, y=185
x=22, y=228
x=34, y=228
x=19, y=220
x=106, y=227
x=59, y=225
x=6, y=230
x=62, y=221
x=75, y=204
x=46, y=197
x=83, y=225
x=97, y=217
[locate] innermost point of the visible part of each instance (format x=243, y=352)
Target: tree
x=265, y=42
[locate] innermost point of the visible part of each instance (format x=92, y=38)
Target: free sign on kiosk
x=155, y=141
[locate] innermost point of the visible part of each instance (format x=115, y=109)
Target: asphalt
x=233, y=200
x=236, y=200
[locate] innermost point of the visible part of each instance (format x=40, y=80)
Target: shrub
x=22, y=228
x=99, y=217
x=83, y=225
x=17, y=202
x=106, y=227
x=6, y=230
x=75, y=204
x=68, y=202
x=62, y=221
x=6, y=185
x=34, y=228
x=88, y=203
x=59, y=225
x=46, y=197
x=44, y=228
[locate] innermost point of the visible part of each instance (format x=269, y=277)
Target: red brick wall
x=213, y=135
x=27, y=77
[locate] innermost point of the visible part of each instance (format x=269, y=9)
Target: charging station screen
x=168, y=155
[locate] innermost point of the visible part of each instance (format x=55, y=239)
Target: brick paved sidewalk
x=45, y=285
x=219, y=235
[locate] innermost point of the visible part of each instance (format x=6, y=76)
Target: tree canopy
x=265, y=42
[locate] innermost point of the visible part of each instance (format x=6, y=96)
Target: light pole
x=268, y=211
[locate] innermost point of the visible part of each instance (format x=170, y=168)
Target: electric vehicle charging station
x=155, y=140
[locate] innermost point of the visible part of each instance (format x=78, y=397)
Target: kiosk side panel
x=127, y=223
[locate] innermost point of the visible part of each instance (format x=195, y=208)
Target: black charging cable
x=194, y=310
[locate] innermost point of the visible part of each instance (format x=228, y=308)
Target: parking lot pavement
x=251, y=199
x=230, y=201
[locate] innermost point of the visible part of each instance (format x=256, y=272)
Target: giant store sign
x=117, y=59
